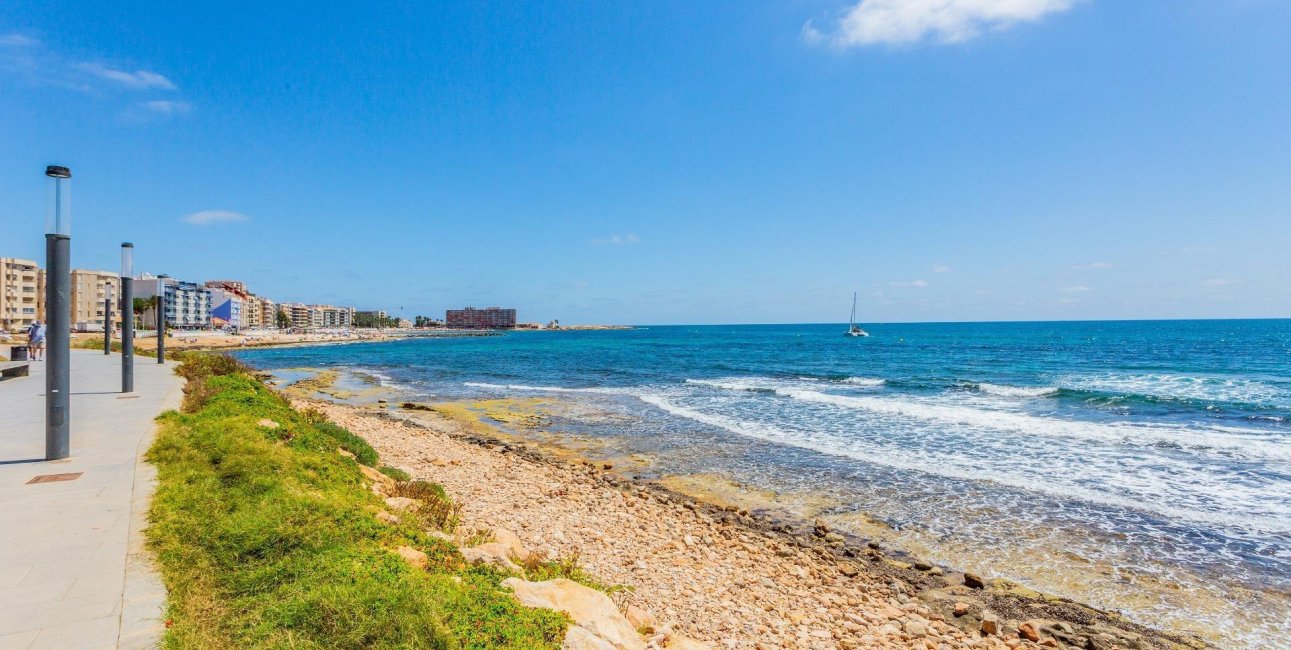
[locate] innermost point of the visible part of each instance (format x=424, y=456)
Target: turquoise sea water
x=1138, y=466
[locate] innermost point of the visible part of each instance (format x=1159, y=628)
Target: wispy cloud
x=1069, y=301
x=167, y=107
x=908, y=283
x=139, y=79
x=1094, y=266
x=1216, y=282
x=940, y=268
x=618, y=240
x=1076, y=289
x=872, y=22
x=14, y=39
x=209, y=217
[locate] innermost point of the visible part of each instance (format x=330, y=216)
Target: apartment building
x=475, y=319
x=227, y=308
x=22, y=293
x=331, y=317
x=185, y=305
x=89, y=290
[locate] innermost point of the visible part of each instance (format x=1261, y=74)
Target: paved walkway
x=73, y=571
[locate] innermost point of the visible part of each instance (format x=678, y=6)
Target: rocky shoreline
x=717, y=573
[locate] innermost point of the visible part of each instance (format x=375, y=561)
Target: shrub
x=394, y=473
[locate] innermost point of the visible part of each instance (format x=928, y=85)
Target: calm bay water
x=1137, y=466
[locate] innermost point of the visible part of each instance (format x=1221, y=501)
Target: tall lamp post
x=107, y=319
x=161, y=325
x=127, y=317
x=58, y=282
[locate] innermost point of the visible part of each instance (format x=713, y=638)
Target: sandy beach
x=718, y=573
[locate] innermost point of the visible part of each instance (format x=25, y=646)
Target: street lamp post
x=107, y=319
x=161, y=325
x=127, y=317
x=58, y=282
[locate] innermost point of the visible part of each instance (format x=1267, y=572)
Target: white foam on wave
x=1169, y=386
x=547, y=389
x=1250, y=443
x=1017, y=391
x=1125, y=487
x=864, y=381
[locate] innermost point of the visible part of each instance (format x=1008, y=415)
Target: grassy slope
x=268, y=538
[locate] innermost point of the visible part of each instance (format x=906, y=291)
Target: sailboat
x=852, y=329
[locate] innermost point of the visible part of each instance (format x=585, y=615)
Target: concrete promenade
x=73, y=571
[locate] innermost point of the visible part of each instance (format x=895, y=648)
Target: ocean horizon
x=1138, y=466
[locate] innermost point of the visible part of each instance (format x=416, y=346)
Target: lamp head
x=58, y=171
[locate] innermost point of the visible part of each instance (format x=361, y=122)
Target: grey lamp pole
x=161, y=325
x=127, y=317
x=58, y=281
x=107, y=320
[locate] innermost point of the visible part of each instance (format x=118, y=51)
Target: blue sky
x=671, y=162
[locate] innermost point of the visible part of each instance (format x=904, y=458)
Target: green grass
x=267, y=538
x=395, y=473
x=96, y=343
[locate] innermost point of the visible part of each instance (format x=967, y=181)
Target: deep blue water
x=1157, y=454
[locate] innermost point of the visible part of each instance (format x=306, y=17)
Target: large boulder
x=493, y=554
x=578, y=638
x=589, y=609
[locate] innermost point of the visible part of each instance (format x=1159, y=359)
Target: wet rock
x=973, y=580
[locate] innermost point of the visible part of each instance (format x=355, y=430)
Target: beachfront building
x=22, y=293
x=185, y=305
x=491, y=318
x=299, y=314
x=227, y=308
x=251, y=313
x=331, y=317
x=268, y=313
x=89, y=290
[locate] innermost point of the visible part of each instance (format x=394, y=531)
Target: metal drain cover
x=54, y=478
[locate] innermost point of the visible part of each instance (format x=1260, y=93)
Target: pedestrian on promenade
x=36, y=339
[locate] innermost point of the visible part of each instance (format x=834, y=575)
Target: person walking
x=36, y=339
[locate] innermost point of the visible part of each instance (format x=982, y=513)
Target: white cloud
x=1094, y=266
x=1216, y=282
x=619, y=240
x=1076, y=289
x=167, y=107
x=14, y=39
x=944, y=21
x=208, y=217
x=140, y=79
x=909, y=283
x=940, y=268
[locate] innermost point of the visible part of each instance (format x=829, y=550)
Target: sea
x=1142, y=467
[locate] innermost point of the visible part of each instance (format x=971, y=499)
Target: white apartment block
x=186, y=305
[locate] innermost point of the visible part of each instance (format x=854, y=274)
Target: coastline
x=797, y=583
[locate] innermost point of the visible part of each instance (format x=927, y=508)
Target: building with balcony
x=89, y=291
x=185, y=305
x=491, y=318
x=22, y=293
